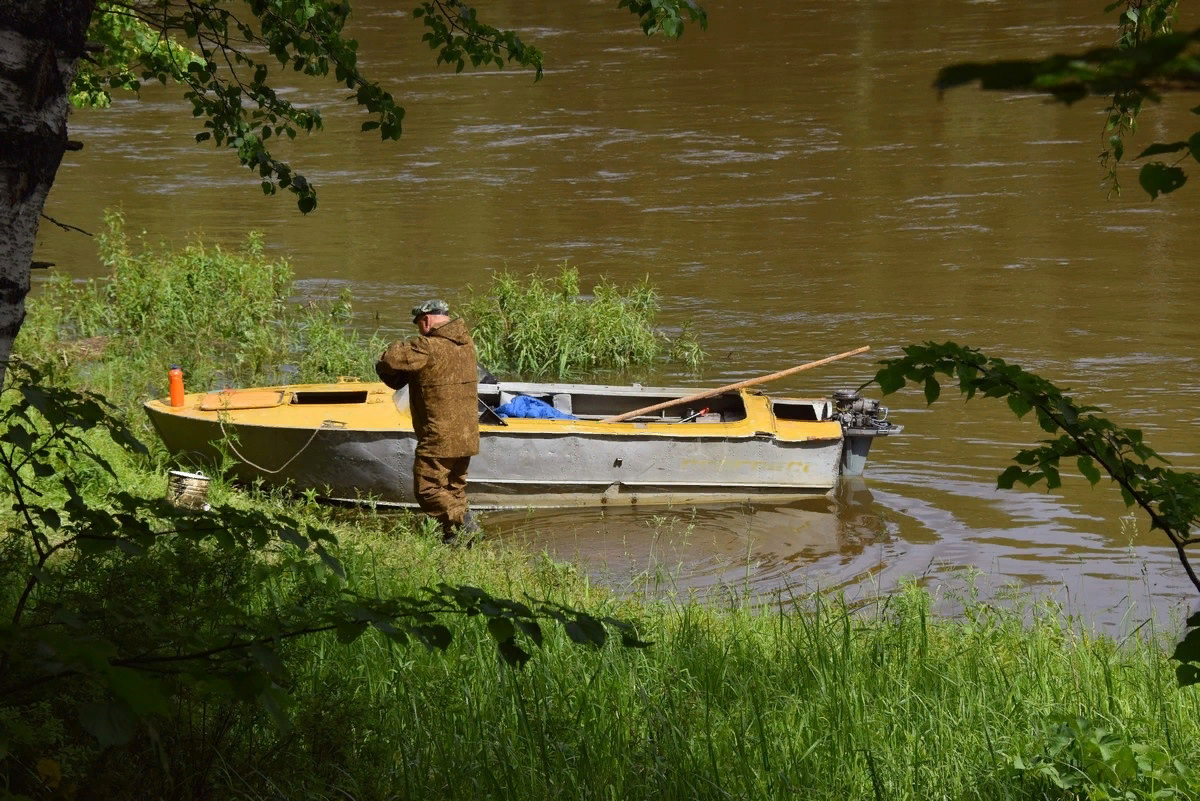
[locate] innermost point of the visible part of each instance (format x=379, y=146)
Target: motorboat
x=354, y=441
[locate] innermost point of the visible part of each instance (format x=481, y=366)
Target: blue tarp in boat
x=525, y=406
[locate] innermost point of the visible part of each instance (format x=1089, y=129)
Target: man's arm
x=400, y=360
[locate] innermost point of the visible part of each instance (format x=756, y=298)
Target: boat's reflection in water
x=747, y=548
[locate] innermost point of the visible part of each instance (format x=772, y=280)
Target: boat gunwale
x=759, y=420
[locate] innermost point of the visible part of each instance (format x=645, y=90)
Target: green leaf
x=576, y=633
x=932, y=389
x=433, y=636
x=293, y=537
x=512, y=653
x=1052, y=478
x=349, y=631
x=331, y=562
x=49, y=517
x=1157, y=178
x=1019, y=405
x=110, y=723
x=1088, y=469
x=890, y=378
x=92, y=546
x=142, y=694
x=531, y=629
x=1009, y=477
x=593, y=629
x=628, y=640
x=275, y=702
x=269, y=660
x=1029, y=478
x=501, y=629
x=1188, y=648
x=392, y=633
x=1187, y=675
x=1159, y=148
x=19, y=436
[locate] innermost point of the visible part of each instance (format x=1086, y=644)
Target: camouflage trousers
x=441, y=489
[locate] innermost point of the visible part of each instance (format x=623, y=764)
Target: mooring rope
x=229, y=441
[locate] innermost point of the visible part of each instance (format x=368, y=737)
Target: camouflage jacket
x=440, y=371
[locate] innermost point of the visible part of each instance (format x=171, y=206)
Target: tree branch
x=63, y=225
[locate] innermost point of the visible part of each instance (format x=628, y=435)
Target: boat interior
x=598, y=402
x=582, y=401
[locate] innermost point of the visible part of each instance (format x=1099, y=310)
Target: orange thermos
x=175, y=382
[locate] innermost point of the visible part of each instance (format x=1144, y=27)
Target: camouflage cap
x=430, y=307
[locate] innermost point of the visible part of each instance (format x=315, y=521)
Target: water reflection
x=865, y=538
x=751, y=547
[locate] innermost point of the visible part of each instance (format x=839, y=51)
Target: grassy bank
x=799, y=696
x=795, y=696
x=805, y=699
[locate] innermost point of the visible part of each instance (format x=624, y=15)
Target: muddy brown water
x=795, y=188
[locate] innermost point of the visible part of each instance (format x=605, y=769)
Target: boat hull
x=364, y=452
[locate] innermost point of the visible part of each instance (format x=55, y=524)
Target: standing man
x=439, y=368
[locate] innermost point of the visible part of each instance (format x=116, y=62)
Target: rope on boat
x=229, y=441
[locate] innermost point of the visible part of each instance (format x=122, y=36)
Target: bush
x=224, y=316
x=542, y=327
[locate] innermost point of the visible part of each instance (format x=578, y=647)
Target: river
x=795, y=188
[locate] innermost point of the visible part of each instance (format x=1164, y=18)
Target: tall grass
x=538, y=326
x=227, y=317
x=804, y=699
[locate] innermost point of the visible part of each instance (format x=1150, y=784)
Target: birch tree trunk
x=40, y=43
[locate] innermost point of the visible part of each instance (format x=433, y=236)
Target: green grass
x=804, y=699
x=226, y=316
x=796, y=696
x=538, y=326
x=799, y=696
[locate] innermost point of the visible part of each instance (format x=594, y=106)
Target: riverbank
x=793, y=695
x=796, y=696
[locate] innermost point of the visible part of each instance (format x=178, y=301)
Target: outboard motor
x=862, y=420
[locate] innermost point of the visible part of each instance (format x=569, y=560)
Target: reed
x=803, y=697
x=226, y=316
x=538, y=326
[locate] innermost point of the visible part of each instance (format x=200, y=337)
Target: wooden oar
x=749, y=382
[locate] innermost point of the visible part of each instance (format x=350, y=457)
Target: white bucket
x=188, y=490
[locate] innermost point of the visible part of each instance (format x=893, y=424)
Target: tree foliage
x=81, y=627
x=1080, y=437
x=1138, y=22
x=1149, y=60
x=226, y=55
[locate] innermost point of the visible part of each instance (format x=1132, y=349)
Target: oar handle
x=749, y=382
